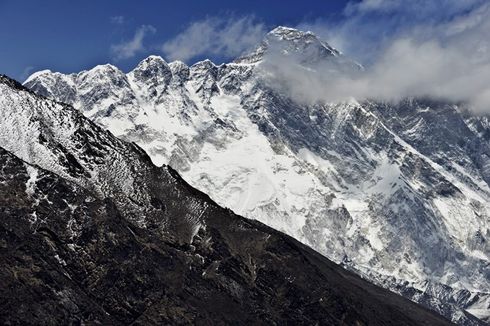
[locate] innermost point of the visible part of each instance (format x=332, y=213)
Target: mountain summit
x=288, y=41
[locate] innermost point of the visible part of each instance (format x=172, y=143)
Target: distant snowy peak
x=103, y=74
x=180, y=71
x=38, y=74
x=290, y=41
x=53, y=85
x=152, y=71
x=299, y=41
x=83, y=87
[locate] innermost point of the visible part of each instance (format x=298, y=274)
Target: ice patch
x=31, y=182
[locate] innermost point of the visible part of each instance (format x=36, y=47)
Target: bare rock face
x=80, y=245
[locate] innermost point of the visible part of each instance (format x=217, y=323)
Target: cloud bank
x=369, y=26
x=438, y=49
x=129, y=49
x=213, y=36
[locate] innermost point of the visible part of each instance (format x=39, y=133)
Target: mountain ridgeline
x=397, y=192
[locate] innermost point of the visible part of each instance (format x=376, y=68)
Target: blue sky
x=70, y=36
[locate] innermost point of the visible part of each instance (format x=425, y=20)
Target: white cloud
x=447, y=58
x=128, y=49
x=370, y=26
x=118, y=20
x=213, y=36
x=419, y=9
x=26, y=72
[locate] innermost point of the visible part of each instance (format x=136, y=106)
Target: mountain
x=93, y=232
x=397, y=192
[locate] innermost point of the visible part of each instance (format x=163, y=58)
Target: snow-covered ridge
x=387, y=190
x=35, y=75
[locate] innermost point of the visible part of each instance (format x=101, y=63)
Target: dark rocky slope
x=74, y=251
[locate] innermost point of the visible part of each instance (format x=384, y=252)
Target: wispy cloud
x=118, y=20
x=214, y=36
x=417, y=9
x=129, y=49
x=370, y=26
x=26, y=72
x=446, y=55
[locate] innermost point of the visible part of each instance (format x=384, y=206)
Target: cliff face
x=139, y=245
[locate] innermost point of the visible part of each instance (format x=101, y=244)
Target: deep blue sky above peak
x=70, y=36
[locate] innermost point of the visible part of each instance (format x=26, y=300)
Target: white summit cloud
x=128, y=49
x=444, y=55
x=224, y=37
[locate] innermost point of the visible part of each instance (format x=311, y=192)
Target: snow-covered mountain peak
x=205, y=65
x=151, y=61
x=204, y=70
x=177, y=66
x=152, y=72
x=286, y=41
x=106, y=67
x=53, y=84
x=103, y=74
x=154, y=57
x=203, y=75
x=288, y=34
x=180, y=71
x=39, y=74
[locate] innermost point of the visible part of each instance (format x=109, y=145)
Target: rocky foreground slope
x=93, y=233
x=398, y=192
